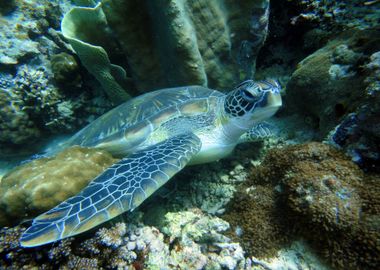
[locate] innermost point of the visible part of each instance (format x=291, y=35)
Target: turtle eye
x=247, y=95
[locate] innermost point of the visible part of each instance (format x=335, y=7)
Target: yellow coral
x=41, y=184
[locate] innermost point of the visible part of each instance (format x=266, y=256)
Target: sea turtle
x=158, y=134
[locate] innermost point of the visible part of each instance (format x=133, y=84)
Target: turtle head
x=251, y=102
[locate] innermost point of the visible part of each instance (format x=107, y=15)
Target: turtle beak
x=274, y=99
x=274, y=102
x=269, y=105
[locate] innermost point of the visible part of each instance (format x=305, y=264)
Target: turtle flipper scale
x=121, y=187
x=258, y=132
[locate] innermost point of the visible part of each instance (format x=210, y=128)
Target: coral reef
x=320, y=194
x=40, y=100
x=37, y=104
x=211, y=187
x=191, y=232
x=326, y=51
x=183, y=42
x=39, y=185
x=329, y=83
x=195, y=242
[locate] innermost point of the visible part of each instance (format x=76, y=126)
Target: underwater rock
x=183, y=42
x=336, y=15
x=39, y=185
x=320, y=194
x=359, y=132
x=329, y=84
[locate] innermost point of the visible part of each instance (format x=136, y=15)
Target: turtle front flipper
x=258, y=132
x=121, y=187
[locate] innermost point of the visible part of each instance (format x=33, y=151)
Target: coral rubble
x=195, y=242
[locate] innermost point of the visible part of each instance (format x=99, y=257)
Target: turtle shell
x=148, y=109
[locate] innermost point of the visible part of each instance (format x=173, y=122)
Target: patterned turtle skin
x=156, y=134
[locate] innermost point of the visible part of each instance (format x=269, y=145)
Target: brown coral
x=323, y=195
x=256, y=222
x=41, y=184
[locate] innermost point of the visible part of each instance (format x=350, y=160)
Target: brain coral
x=41, y=184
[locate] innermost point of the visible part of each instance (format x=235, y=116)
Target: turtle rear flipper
x=121, y=187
